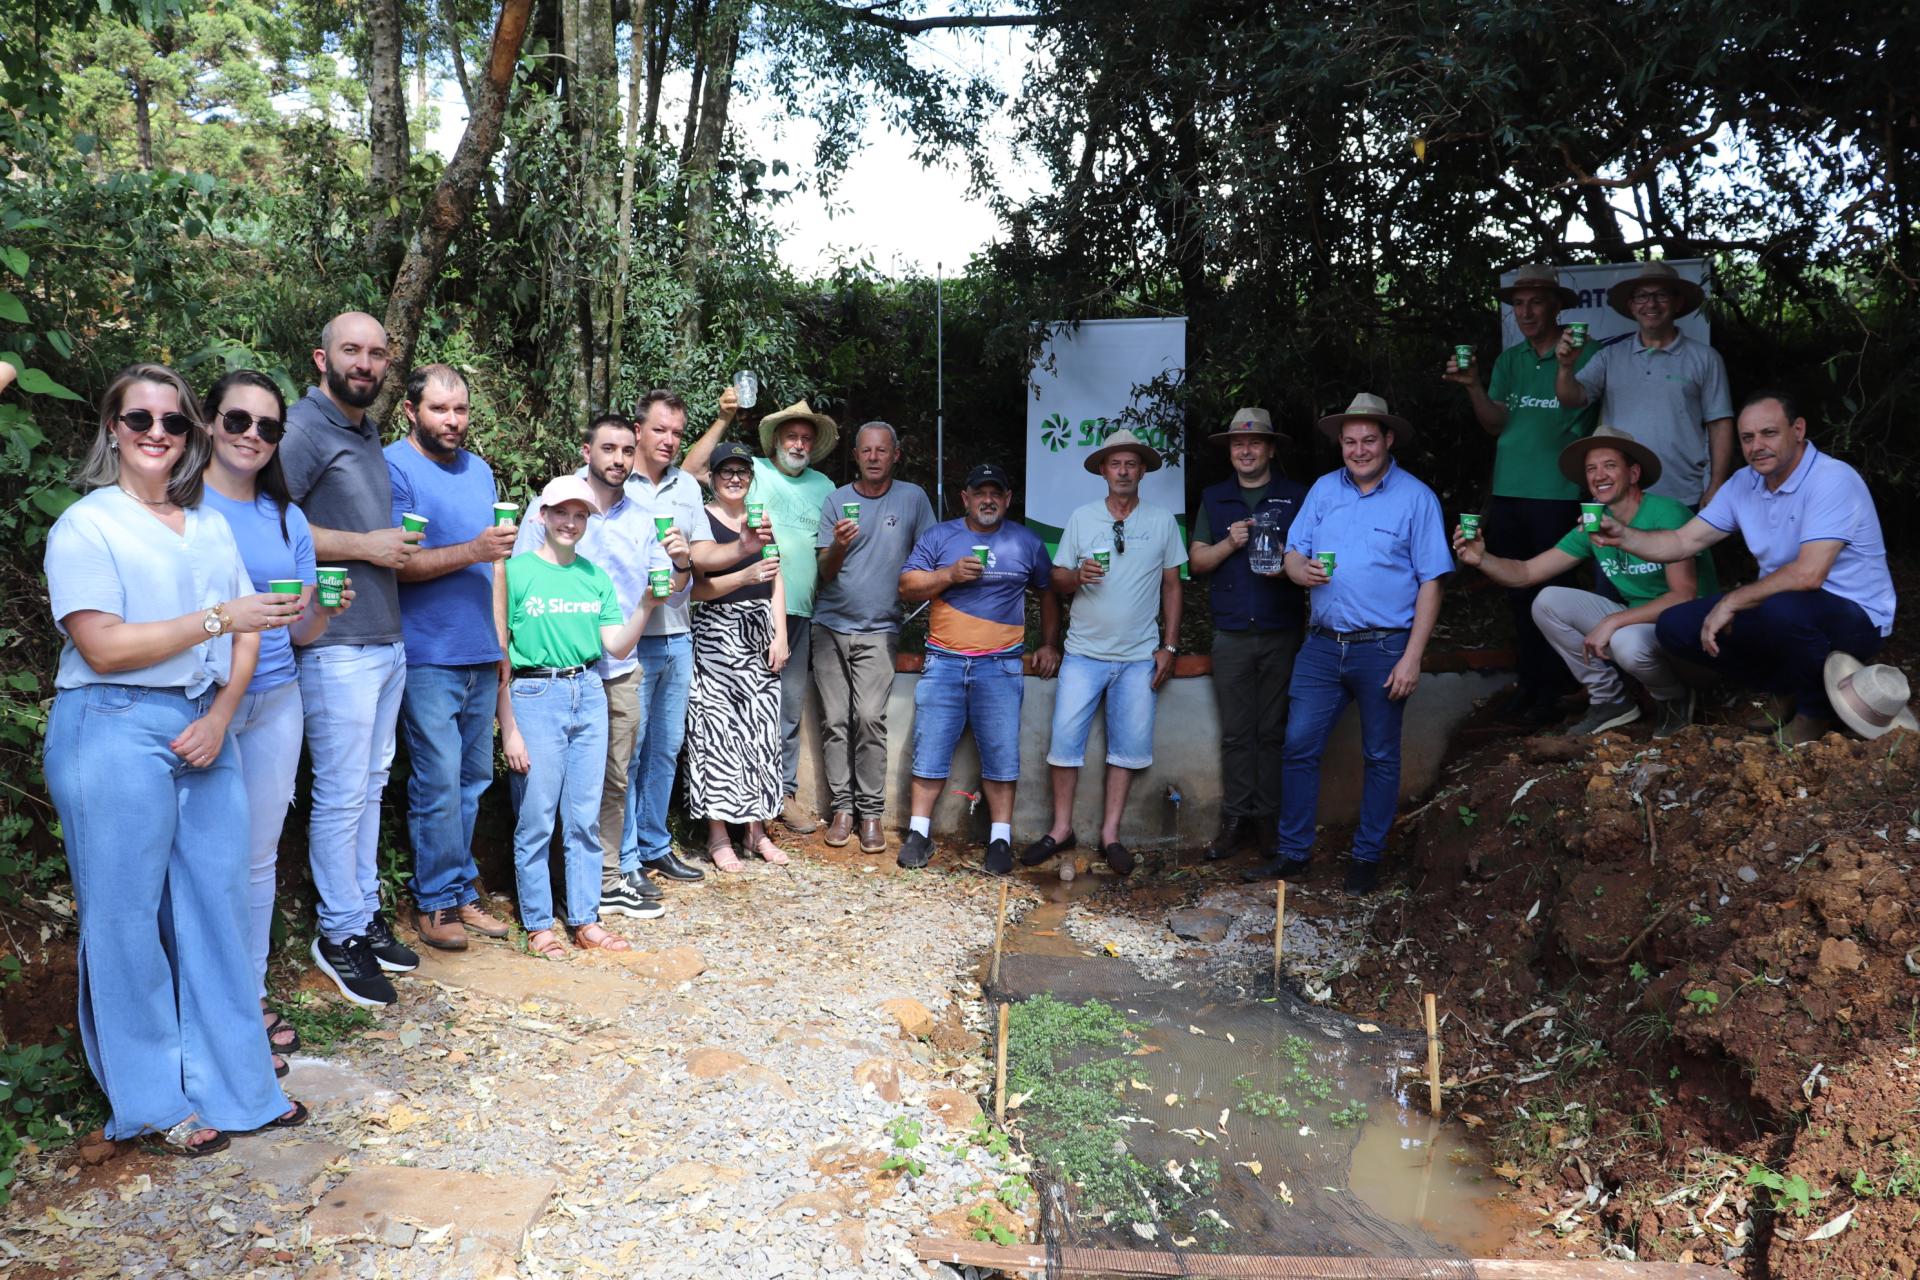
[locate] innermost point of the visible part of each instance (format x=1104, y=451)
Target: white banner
x=1085, y=380
x=1591, y=282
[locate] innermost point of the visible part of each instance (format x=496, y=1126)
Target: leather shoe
x=645, y=885
x=1362, y=878
x=840, y=830
x=1046, y=847
x=472, y=917
x=1119, y=857
x=440, y=928
x=1275, y=869
x=670, y=866
x=797, y=818
x=872, y=839
x=1229, y=840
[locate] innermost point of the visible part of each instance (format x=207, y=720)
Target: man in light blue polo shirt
x=1367, y=630
x=1810, y=523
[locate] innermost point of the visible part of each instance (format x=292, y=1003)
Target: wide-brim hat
x=1869, y=700
x=1249, y=422
x=1691, y=295
x=826, y=430
x=569, y=489
x=1367, y=405
x=1573, y=458
x=1123, y=439
x=1538, y=276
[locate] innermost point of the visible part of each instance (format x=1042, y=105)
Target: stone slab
x=286, y=1164
x=376, y=1203
x=496, y=970
x=321, y=1083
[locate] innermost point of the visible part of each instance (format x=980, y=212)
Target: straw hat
x=1124, y=439
x=1367, y=405
x=1538, y=276
x=1248, y=422
x=1869, y=700
x=826, y=430
x=1690, y=295
x=1573, y=458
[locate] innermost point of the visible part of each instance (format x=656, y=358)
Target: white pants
x=1565, y=615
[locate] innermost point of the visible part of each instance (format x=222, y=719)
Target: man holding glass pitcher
x=1239, y=541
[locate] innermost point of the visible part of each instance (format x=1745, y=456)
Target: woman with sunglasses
x=161, y=635
x=739, y=647
x=246, y=417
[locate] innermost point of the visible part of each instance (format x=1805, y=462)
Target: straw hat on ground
x=1869, y=700
x=1573, y=458
x=826, y=430
x=1689, y=294
x=1538, y=276
x=1367, y=405
x=1124, y=439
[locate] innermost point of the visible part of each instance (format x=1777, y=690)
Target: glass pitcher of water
x=1266, y=548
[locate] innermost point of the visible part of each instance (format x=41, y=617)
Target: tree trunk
x=703, y=163
x=597, y=91
x=701, y=48
x=637, y=32
x=660, y=41
x=143, y=123
x=451, y=204
x=387, y=145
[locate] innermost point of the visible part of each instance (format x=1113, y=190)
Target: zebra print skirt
x=733, y=715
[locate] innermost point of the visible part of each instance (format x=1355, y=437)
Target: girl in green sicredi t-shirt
x=557, y=613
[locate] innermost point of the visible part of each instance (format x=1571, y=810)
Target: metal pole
x=939, y=395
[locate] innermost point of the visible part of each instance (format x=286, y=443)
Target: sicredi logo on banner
x=1592, y=281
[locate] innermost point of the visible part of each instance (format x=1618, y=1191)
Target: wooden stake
x=1279, y=927
x=1433, y=1055
x=1000, y=1071
x=999, y=930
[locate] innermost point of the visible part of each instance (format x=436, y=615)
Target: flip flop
x=175, y=1141
x=278, y=1025
x=291, y=1120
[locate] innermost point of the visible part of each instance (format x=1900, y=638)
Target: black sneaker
x=387, y=949
x=1362, y=878
x=999, y=857
x=916, y=850
x=354, y=970
x=621, y=898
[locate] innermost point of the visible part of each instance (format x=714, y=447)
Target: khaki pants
x=623, y=728
x=855, y=675
x=1565, y=615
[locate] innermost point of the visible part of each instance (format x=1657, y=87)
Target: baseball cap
x=569, y=489
x=988, y=473
x=729, y=451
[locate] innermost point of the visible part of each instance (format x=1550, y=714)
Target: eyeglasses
x=1119, y=537
x=1653, y=295
x=139, y=421
x=236, y=421
x=734, y=475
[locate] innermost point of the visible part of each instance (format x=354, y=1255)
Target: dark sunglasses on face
x=139, y=421
x=236, y=421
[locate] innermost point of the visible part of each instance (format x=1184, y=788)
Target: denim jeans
x=1128, y=687
x=1326, y=676
x=158, y=856
x=956, y=691
x=1780, y=645
x=795, y=679
x=351, y=696
x=448, y=719
x=563, y=721
x=666, y=674
x=268, y=732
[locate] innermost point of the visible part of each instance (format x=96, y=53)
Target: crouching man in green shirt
x=1591, y=633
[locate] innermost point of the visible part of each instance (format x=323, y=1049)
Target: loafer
x=1275, y=869
x=999, y=857
x=916, y=850
x=1046, y=847
x=1119, y=857
x=840, y=829
x=872, y=838
x=669, y=865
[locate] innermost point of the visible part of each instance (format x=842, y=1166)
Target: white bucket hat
x=1870, y=700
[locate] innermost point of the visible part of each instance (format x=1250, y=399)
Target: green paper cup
x=850, y=511
x=1590, y=513
x=333, y=581
x=660, y=582
x=980, y=553
x=506, y=513
x=756, y=512
x=1103, y=557
x=1326, y=561
x=1469, y=525
x=413, y=523
x=662, y=525
x=285, y=586
x=1463, y=356
x=1577, y=334
x=770, y=552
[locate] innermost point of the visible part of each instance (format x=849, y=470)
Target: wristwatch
x=1173, y=649
x=216, y=622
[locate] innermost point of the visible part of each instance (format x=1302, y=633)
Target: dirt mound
x=1681, y=989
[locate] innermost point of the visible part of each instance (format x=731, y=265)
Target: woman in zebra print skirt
x=733, y=709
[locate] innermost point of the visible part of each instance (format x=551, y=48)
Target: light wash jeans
x=563, y=721
x=268, y=730
x=1128, y=689
x=351, y=696
x=158, y=856
x=447, y=716
x=666, y=676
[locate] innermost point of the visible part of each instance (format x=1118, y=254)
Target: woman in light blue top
x=246, y=417
x=150, y=594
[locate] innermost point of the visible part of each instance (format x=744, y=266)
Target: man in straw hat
x=1370, y=548
x=1809, y=521
x=1533, y=503
x=1257, y=621
x=793, y=494
x=1119, y=558
x=1591, y=633
x=1669, y=390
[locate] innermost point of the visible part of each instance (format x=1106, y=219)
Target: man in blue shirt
x=1370, y=620
x=1257, y=617
x=453, y=654
x=1824, y=587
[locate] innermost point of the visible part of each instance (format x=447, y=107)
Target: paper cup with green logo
x=1326, y=561
x=1103, y=556
x=333, y=581
x=1590, y=513
x=1463, y=356
x=1577, y=334
x=980, y=552
x=662, y=526
x=506, y=513
x=756, y=512
x=850, y=511
x=770, y=552
x=1469, y=525
x=413, y=523
x=660, y=582
x=285, y=586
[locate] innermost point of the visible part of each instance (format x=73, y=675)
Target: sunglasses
x=236, y=421
x=139, y=421
x=1119, y=537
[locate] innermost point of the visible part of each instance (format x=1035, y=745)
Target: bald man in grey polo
x=1665, y=396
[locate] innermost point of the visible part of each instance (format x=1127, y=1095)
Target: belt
x=547, y=673
x=1357, y=637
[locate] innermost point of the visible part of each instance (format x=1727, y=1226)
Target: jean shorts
x=1128, y=687
x=956, y=691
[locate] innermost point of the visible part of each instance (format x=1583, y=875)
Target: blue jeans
x=563, y=721
x=956, y=691
x=1128, y=687
x=448, y=719
x=158, y=855
x=1780, y=645
x=268, y=732
x=666, y=674
x=1326, y=676
x=351, y=696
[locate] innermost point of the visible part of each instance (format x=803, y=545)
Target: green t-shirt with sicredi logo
x=794, y=503
x=555, y=612
x=1526, y=459
x=1637, y=580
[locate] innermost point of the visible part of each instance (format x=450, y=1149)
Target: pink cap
x=569, y=489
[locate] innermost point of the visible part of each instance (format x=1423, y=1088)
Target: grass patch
x=321, y=1022
x=47, y=1098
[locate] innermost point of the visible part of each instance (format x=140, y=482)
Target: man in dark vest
x=1257, y=619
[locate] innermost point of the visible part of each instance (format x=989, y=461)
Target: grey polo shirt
x=1664, y=397
x=337, y=474
x=864, y=597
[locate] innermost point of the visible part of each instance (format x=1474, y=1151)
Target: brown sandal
x=593, y=937
x=546, y=944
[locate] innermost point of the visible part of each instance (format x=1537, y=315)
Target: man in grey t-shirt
x=867, y=529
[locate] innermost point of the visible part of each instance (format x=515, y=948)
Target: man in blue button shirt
x=1824, y=587
x=1369, y=622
